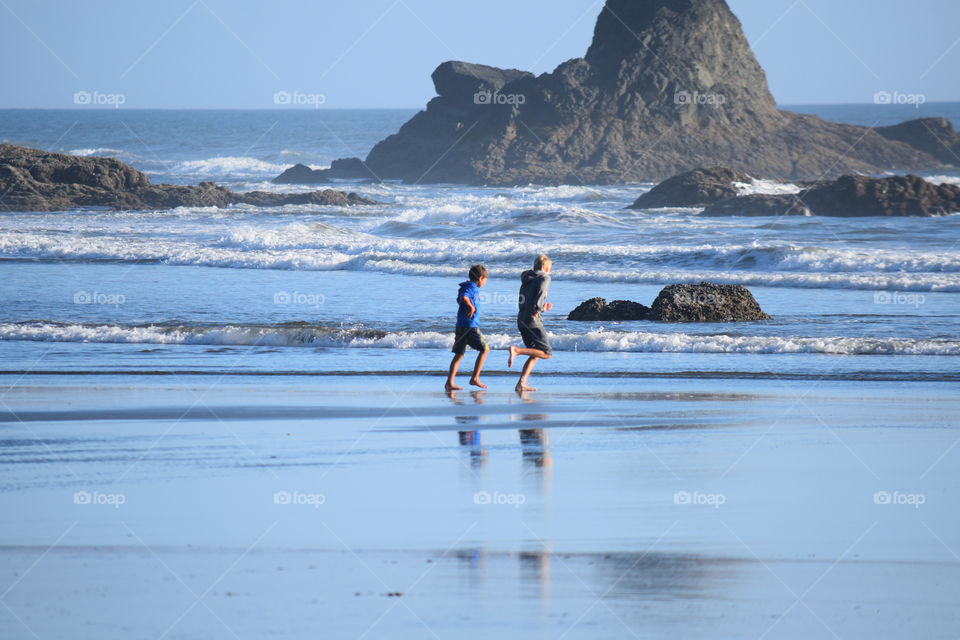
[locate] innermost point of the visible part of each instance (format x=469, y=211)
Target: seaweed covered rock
x=706, y=302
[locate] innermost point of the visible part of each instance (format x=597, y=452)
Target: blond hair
x=542, y=262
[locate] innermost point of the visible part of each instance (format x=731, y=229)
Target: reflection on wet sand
x=609, y=575
x=535, y=448
x=534, y=442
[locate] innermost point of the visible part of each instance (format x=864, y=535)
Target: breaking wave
x=311, y=335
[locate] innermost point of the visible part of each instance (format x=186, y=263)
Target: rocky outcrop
x=758, y=205
x=935, y=136
x=666, y=86
x=850, y=196
x=893, y=196
x=706, y=302
x=598, y=309
x=696, y=188
x=37, y=180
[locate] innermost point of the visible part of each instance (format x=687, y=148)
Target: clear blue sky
x=379, y=53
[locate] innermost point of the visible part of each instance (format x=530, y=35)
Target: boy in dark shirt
x=468, y=328
x=533, y=301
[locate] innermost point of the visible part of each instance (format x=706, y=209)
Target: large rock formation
x=706, y=302
x=666, y=86
x=37, y=180
x=850, y=196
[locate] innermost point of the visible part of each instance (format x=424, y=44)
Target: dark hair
x=477, y=271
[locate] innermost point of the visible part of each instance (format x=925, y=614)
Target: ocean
x=323, y=290
x=232, y=422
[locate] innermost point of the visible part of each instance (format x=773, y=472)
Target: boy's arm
x=465, y=300
x=542, y=304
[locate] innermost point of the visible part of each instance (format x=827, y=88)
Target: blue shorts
x=468, y=336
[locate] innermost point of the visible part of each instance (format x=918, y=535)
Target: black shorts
x=468, y=336
x=535, y=337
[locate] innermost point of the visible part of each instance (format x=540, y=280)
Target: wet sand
x=380, y=507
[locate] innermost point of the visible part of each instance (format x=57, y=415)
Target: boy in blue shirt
x=468, y=328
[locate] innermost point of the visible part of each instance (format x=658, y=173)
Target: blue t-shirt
x=471, y=292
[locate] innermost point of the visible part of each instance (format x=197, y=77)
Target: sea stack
x=666, y=86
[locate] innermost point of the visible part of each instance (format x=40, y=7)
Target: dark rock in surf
x=37, y=180
x=696, y=188
x=892, y=196
x=706, y=302
x=301, y=174
x=850, y=196
x=328, y=197
x=666, y=86
x=759, y=205
x=618, y=310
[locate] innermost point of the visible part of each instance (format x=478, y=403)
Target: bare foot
x=513, y=354
x=476, y=382
x=522, y=386
x=452, y=387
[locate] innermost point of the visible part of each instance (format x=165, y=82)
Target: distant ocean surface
x=320, y=290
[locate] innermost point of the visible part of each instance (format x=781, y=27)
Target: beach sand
x=379, y=507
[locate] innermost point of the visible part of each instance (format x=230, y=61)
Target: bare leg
x=525, y=373
x=454, y=365
x=524, y=351
x=477, y=367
